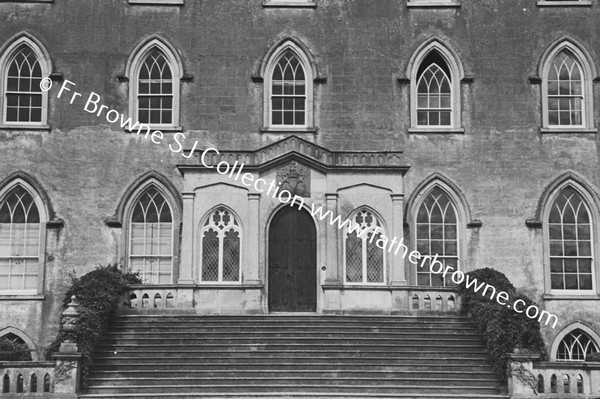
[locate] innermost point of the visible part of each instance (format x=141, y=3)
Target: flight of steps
x=279, y=356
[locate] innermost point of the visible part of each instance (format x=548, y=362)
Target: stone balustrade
x=18, y=378
x=441, y=300
x=552, y=380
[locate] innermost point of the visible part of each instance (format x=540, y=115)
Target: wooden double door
x=292, y=262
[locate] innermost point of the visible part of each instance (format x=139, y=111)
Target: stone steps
x=277, y=356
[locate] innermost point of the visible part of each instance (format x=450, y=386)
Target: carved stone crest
x=295, y=178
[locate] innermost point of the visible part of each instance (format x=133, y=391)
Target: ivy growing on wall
x=98, y=294
x=502, y=328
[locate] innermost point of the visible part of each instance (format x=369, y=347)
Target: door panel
x=292, y=262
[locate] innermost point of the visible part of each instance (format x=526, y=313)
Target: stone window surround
x=551, y=294
x=43, y=216
x=8, y=52
x=457, y=79
x=134, y=65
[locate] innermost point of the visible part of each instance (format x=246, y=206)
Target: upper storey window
x=154, y=93
x=435, y=89
x=288, y=95
x=23, y=93
x=434, y=92
x=288, y=90
x=567, y=90
x=24, y=64
x=155, y=90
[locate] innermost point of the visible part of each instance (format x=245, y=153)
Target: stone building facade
x=467, y=129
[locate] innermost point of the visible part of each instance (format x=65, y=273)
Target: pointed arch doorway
x=292, y=262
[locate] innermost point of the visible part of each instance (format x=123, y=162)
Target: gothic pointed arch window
x=151, y=237
x=24, y=64
x=437, y=234
x=364, y=261
x=155, y=74
x=22, y=222
x=566, y=86
x=435, y=89
x=576, y=346
x=288, y=100
x=220, y=247
x=570, y=242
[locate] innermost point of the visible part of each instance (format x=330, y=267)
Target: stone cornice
x=294, y=147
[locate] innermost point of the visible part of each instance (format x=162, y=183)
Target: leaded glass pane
x=221, y=247
x=365, y=261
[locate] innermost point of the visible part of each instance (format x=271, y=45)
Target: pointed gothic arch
x=567, y=70
x=437, y=214
x=288, y=72
x=24, y=62
x=150, y=212
x=23, y=220
x=435, y=73
x=574, y=342
x=569, y=214
x=154, y=70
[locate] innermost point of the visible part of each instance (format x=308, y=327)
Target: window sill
x=234, y=286
x=164, y=129
x=273, y=129
x=565, y=3
x=573, y=130
x=432, y=3
x=290, y=3
x=25, y=127
x=444, y=130
x=571, y=297
x=157, y=2
x=17, y=297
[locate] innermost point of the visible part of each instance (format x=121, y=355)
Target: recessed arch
x=24, y=61
x=154, y=70
x=568, y=330
x=24, y=337
x=566, y=61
